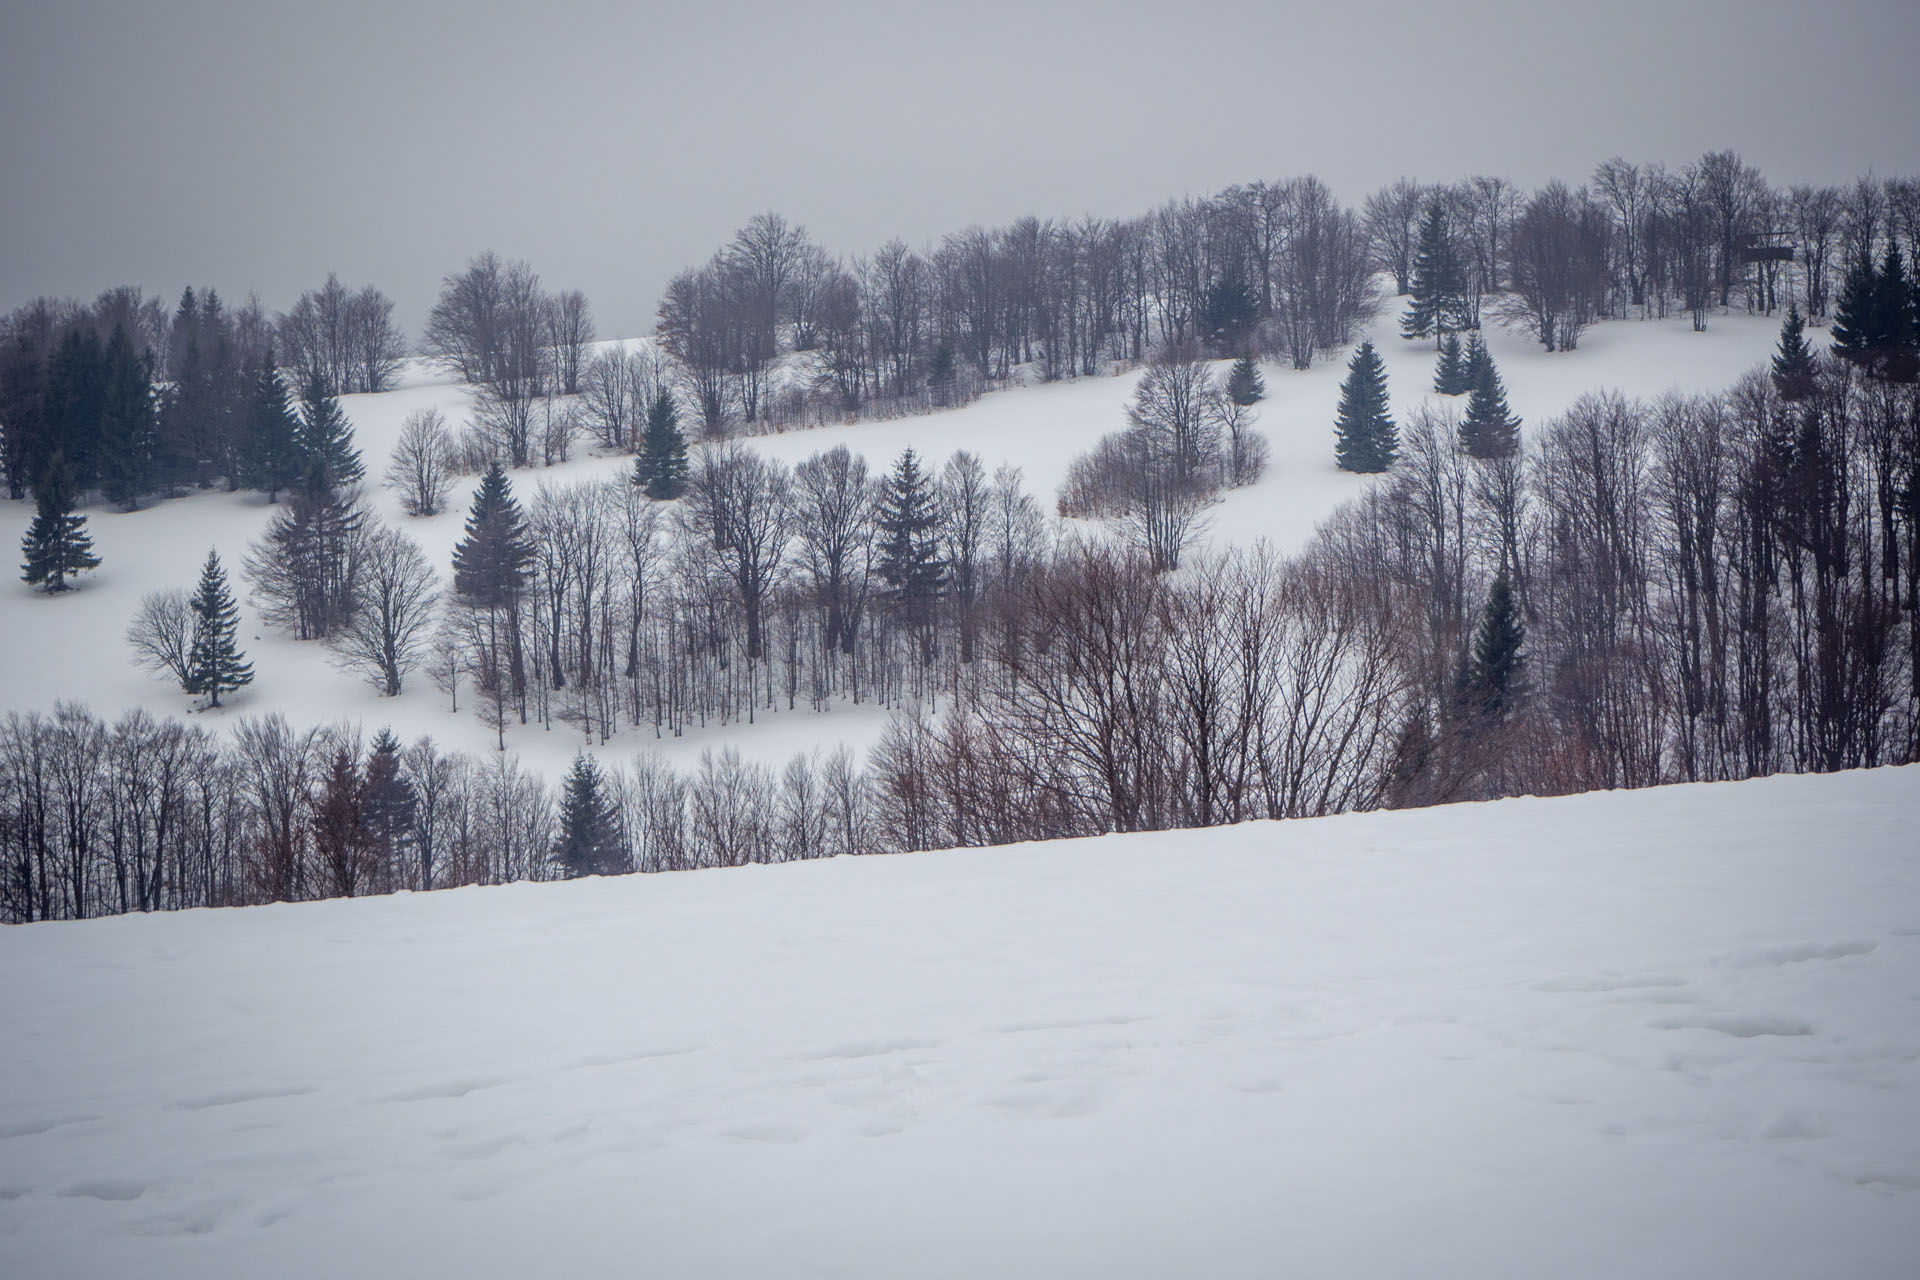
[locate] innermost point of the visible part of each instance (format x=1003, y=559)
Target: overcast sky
x=256, y=146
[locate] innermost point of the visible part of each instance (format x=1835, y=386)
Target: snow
x=1659, y=1033
x=71, y=647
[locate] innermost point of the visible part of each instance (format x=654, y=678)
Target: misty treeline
x=1697, y=587
x=153, y=814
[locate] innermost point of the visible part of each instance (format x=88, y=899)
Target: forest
x=1697, y=587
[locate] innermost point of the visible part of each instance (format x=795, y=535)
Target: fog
x=253, y=148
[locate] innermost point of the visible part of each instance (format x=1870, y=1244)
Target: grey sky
x=258, y=146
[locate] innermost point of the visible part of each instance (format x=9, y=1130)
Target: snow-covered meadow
x=1666, y=1033
x=72, y=647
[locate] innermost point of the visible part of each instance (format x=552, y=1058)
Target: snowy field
x=1669, y=1033
x=72, y=647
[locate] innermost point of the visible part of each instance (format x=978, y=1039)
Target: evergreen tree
x=1489, y=429
x=909, y=522
x=492, y=560
x=1793, y=363
x=1438, y=290
x=57, y=544
x=214, y=661
x=1450, y=371
x=128, y=437
x=1228, y=311
x=1853, y=320
x=1496, y=675
x=942, y=372
x=1891, y=340
x=1474, y=366
x=1366, y=438
x=589, y=842
x=75, y=404
x=328, y=458
x=387, y=806
x=1244, y=383
x=661, y=466
x=272, y=456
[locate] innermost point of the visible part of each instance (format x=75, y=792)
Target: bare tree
x=161, y=634
x=570, y=330
x=421, y=470
x=389, y=632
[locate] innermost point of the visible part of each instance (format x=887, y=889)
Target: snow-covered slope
x=1664, y=1033
x=72, y=647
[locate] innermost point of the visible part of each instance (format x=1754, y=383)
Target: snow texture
x=1669, y=1033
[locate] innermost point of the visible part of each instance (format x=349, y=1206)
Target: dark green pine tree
x=1244, y=384
x=388, y=805
x=1489, y=429
x=589, y=842
x=660, y=468
x=1228, y=311
x=943, y=371
x=1365, y=437
x=1450, y=371
x=272, y=456
x=57, y=544
x=75, y=404
x=1437, y=290
x=328, y=457
x=1496, y=677
x=909, y=522
x=492, y=560
x=129, y=436
x=1853, y=320
x=1891, y=335
x=215, y=664
x=1793, y=362
x=1475, y=364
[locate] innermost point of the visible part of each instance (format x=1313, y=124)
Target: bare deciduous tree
x=421, y=470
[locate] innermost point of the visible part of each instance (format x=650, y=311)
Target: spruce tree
x=1474, y=364
x=75, y=406
x=1244, y=383
x=129, y=438
x=1450, y=371
x=57, y=544
x=492, y=560
x=1891, y=334
x=328, y=458
x=387, y=806
x=1489, y=429
x=1365, y=436
x=214, y=662
x=1437, y=290
x=661, y=467
x=589, y=841
x=909, y=522
x=1496, y=675
x=1793, y=363
x=1853, y=320
x=272, y=455
x=1227, y=311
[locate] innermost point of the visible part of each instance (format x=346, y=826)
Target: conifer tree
x=492, y=560
x=214, y=662
x=1496, y=676
x=1474, y=365
x=909, y=561
x=1793, y=362
x=1437, y=290
x=128, y=436
x=1450, y=370
x=1489, y=429
x=661, y=466
x=1365, y=437
x=387, y=806
x=1853, y=320
x=57, y=544
x=1227, y=311
x=1244, y=383
x=328, y=459
x=75, y=407
x=272, y=456
x=1891, y=340
x=589, y=842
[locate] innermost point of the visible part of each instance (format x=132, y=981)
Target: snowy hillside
x=1662, y=1033
x=71, y=647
